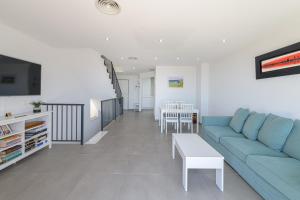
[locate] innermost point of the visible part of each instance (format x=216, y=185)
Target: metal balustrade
x=111, y=109
x=67, y=121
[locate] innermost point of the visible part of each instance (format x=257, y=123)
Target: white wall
x=133, y=89
x=68, y=75
x=163, y=93
x=233, y=83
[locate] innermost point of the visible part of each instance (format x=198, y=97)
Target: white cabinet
x=23, y=135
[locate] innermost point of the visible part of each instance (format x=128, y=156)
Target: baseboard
x=96, y=138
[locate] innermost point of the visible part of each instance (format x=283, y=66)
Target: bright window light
x=94, y=108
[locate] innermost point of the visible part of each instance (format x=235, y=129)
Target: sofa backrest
x=275, y=131
x=292, y=145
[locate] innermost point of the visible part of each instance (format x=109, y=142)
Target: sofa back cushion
x=238, y=120
x=253, y=124
x=275, y=131
x=292, y=145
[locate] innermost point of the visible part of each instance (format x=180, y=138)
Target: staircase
x=112, y=75
x=111, y=109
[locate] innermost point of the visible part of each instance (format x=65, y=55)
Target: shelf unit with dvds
x=23, y=135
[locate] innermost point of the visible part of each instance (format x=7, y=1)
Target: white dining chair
x=186, y=116
x=171, y=116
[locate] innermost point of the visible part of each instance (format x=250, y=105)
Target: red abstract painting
x=281, y=62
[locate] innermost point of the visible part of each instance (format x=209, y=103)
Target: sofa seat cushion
x=291, y=146
x=282, y=173
x=216, y=132
x=238, y=119
x=242, y=147
x=275, y=131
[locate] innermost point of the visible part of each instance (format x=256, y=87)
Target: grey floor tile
x=133, y=161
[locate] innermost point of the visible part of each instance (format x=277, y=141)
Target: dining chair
x=186, y=116
x=171, y=116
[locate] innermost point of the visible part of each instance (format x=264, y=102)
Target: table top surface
x=178, y=110
x=192, y=145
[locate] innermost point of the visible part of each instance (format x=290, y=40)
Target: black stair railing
x=111, y=109
x=113, y=76
x=67, y=122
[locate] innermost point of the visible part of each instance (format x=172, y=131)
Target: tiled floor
x=133, y=161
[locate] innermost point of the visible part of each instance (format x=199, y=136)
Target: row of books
x=36, y=142
x=5, y=130
x=34, y=132
x=10, y=154
x=9, y=141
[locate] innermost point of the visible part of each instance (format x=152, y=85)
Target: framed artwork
x=281, y=62
x=176, y=82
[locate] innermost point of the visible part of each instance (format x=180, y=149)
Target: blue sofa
x=264, y=150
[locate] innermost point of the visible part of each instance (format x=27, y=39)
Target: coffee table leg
x=185, y=175
x=173, y=146
x=220, y=178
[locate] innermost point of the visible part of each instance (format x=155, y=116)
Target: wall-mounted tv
x=19, y=77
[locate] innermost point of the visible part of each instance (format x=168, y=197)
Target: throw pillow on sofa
x=275, y=131
x=291, y=146
x=253, y=124
x=239, y=118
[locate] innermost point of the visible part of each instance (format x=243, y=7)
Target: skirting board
x=96, y=138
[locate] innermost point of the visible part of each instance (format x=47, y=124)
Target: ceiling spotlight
x=161, y=40
x=122, y=58
x=155, y=58
x=177, y=58
x=109, y=7
x=107, y=38
x=224, y=41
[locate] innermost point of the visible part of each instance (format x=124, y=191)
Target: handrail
x=113, y=76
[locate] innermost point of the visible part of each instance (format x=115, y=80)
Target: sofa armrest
x=216, y=120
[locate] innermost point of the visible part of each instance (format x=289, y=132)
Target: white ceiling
x=191, y=29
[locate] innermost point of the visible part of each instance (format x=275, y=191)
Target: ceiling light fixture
x=224, y=41
x=109, y=7
x=122, y=58
x=161, y=40
x=178, y=58
x=155, y=58
x=107, y=38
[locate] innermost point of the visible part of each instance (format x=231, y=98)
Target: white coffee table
x=197, y=154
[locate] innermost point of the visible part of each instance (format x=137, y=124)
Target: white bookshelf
x=17, y=124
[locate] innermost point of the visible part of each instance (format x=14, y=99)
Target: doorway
x=124, y=85
x=148, y=93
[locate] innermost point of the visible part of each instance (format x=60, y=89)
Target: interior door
x=148, y=93
x=124, y=85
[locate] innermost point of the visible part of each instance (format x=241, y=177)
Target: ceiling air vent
x=109, y=7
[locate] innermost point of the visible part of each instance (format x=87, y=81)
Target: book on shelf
x=9, y=141
x=8, y=151
x=10, y=154
x=5, y=130
x=34, y=132
x=33, y=124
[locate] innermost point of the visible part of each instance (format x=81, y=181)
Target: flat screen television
x=19, y=77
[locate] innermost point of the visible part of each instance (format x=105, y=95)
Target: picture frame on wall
x=281, y=62
x=175, y=82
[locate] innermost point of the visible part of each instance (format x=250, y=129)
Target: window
x=94, y=108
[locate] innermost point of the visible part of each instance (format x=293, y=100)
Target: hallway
x=133, y=161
